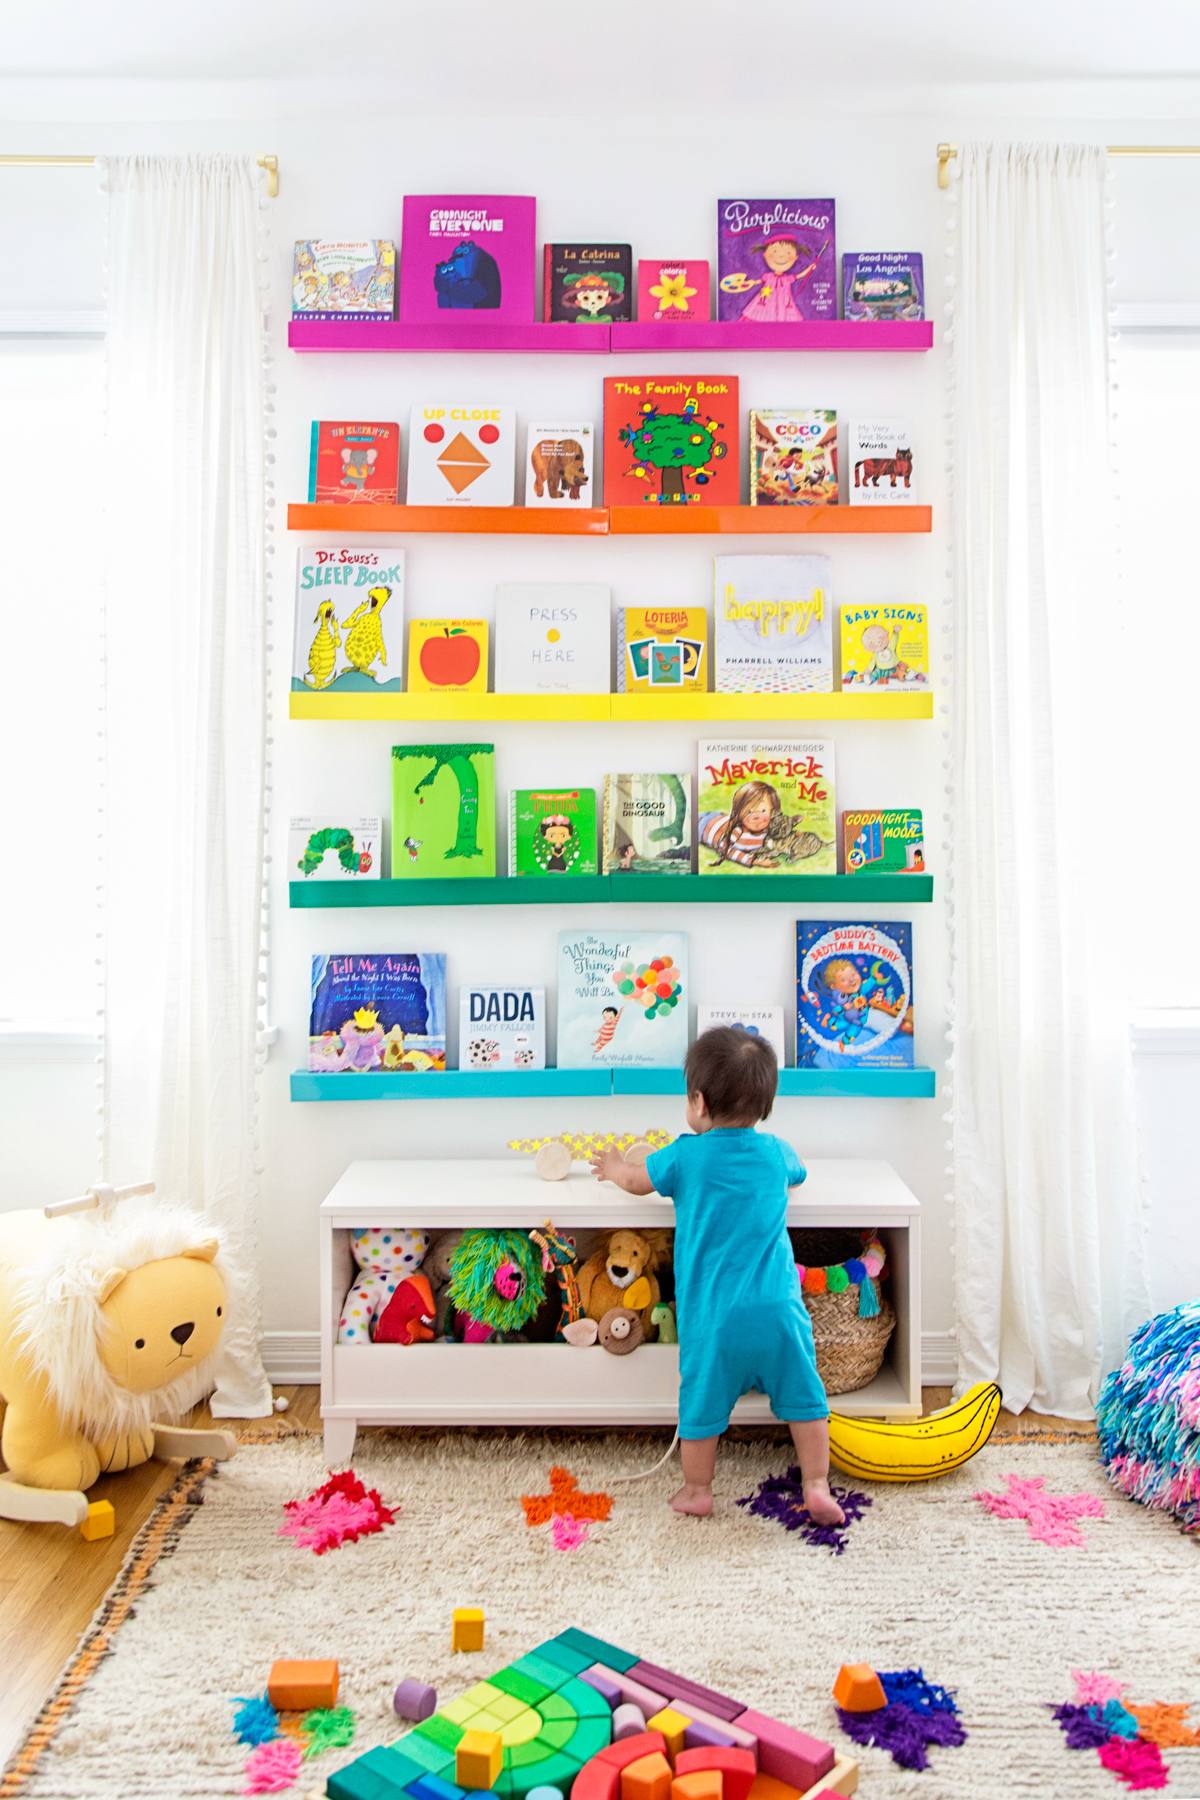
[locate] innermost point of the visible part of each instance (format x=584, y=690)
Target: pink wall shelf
x=831, y=334
x=471, y=332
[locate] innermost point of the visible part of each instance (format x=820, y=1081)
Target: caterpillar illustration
x=334, y=838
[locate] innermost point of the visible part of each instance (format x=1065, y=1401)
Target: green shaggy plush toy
x=496, y=1280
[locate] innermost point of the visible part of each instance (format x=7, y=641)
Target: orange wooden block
x=704, y=1784
x=297, y=1686
x=478, y=1759
x=737, y=1768
x=631, y=1749
x=765, y=1787
x=101, y=1521
x=858, y=1688
x=647, y=1779
x=466, y=1631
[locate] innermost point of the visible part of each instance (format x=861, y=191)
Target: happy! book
x=776, y=261
x=381, y=1012
x=465, y=256
x=443, y=811
x=349, y=614
x=854, y=995
x=766, y=809
x=774, y=625
x=622, y=999
x=671, y=440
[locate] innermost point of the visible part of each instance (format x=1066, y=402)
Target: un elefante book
x=443, y=811
x=885, y=648
x=854, y=994
x=349, y=629
x=466, y=256
x=756, y=1021
x=766, y=808
x=879, y=463
x=501, y=1028
x=353, y=463
x=773, y=625
x=793, y=457
x=335, y=847
x=552, y=831
x=461, y=452
x=647, y=825
x=587, y=283
x=344, y=278
x=776, y=261
x=662, y=649
x=552, y=637
x=622, y=999
x=884, y=843
x=560, y=464
x=883, y=284
x=384, y=1012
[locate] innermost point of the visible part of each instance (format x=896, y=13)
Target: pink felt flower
x=1050, y=1517
x=1138, y=1765
x=342, y=1508
x=273, y=1768
x=1094, y=1689
x=568, y=1531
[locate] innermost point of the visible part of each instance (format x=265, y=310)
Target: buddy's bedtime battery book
x=854, y=1001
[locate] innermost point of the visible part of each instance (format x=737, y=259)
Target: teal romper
x=742, y=1321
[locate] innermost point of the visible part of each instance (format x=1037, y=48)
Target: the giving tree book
x=766, y=808
x=552, y=831
x=344, y=278
x=854, y=995
x=447, y=656
x=884, y=843
x=776, y=261
x=671, y=440
x=501, y=1028
x=443, y=811
x=353, y=463
x=647, y=825
x=885, y=648
x=756, y=1021
x=883, y=284
x=378, y=1013
x=349, y=633
x=793, y=457
x=461, y=454
x=672, y=292
x=552, y=637
x=587, y=283
x=559, y=464
x=662, y=649
x=622, y=999
x=335, y=847
x=467, y=254
x=773, y=625
x=879, y=463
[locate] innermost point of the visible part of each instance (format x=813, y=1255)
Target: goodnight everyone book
x=766, y=808
x=884, y=843
x=885, y=648
x=501, y=1028
x=344, y=278
x=587, y=284
x=793, y=457
x=883, y=284
x=552, y=831
x=879, y=463
x=461, y=454
x=379, y=1013
x=559, y=465
x=756, y=1021
x=854, y=995
x=349, y=612
x=353, y=464
x=673, y=293
x=622, y=999
x=465, y=256
x=776, y=261
x=335, y=847
x=443, y=811
x=662, y=649
x=671, y=440
x=552, y=637
x=773, y=619
x=647, y=825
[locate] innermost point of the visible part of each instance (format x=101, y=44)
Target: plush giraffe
x=364, y=633
x=322, y=655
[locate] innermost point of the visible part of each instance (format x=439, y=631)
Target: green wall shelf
x=469, y=1084
x=571, y=890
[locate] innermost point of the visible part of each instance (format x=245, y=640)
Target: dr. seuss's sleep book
x=552, y=831
x=766, y=808
x=335, y=847
x=443, y=811
x=552, y=637
x=372, y=1013
x=756, y=1021
x=854, y=1003
x=671, y=440
x=466, y=256
x=344, y=278
x=587, y=283
x=884, y=843
x=883, y=284
x=673, y=292
x=879, y=463
x=353, y=464
x=773, y=625
x=559, y=465
x=776, y=261
x=461, y=453
x=885, y=648
x=349, y=620
x=622, y=999
x=662, y=649
x=501, y=1028
x=647, y=825
x=793, y=458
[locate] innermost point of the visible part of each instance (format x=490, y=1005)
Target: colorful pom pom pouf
x=1149, y=1416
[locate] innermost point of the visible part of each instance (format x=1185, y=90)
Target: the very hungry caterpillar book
x=447, y=656
x=622, y=999
x=353, y=463
x=766, y=809
x=776, y=261
x=885, y=647
x=671, y=440
x=774, y=626
x=552, y=831
x=349, y=611
x=673, y=293
x=587, y=282
x=379, y=1012
x=443, y=811
x=664, y=648
x=334, y=847
x=854, y=995
x=467, y=255
x=647, y=825
x=344, y=278
x=501, y=1028
x=884, y=843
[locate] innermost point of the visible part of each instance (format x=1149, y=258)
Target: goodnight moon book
x=378, y=1013
x=854, y=995
x=622, y=999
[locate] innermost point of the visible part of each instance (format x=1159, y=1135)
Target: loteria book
x=883, y=284
x=501, y=1028
x=673, y=293
x=559, y=465
x=773, y=625
x=885, y=648
x=776, y=261
x=793, y=458
x=344, y=278
x=335, y=847
x=663, y=649
x=447, y=656
x=353, y=464
x=854, y=1004
x=671, y=440
x=552, y=831
x=466, y=254
x=377, y=1013
x=552, y=637
x=461, y=454
x=880, y=463
x=443, y=811
x=884, y=843
x=756, y=1021
x=587, y=284
x=647, y=825
x=349, y=614
x=622, y=999
x=766, y=809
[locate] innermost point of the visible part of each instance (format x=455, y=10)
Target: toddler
x=742, y=1321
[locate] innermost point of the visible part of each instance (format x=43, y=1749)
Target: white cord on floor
x=658, y=1465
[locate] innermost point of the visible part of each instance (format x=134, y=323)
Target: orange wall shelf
x=615, y=521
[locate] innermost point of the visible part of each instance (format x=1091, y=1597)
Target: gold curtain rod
x=269, y=163
x=947, y=152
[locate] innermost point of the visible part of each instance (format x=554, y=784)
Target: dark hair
x=736, y=1073
x=608, y=1009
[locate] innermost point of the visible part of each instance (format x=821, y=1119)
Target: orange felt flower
x=565, y=1497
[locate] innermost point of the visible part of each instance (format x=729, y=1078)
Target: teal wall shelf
x=469, y=1084
x=574, y=890
x=800, y=1084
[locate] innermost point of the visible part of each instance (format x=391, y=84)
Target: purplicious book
x=335, y=847
x=467, y=255
x=662, y=649
x=349, y=612
x=372, y=1013
x=793, y=457
x=587, y=283
x=776, y=261
x=353, y=464
x=671, y=440
x=622, y=999
x=344, y=278
x=501, y=1028
x=773, y=625
x=766, y=808
x=559, y=465
x=884, y=843
x=461, y=453
x=879, y=463
x=885, y=648
x=443, y=811
x=647, y=825
x=673, y=293
x=854, y=995
x=883, y=284
x=552, y=637
x=552, y=831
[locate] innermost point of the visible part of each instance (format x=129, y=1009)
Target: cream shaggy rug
x=928, y=1578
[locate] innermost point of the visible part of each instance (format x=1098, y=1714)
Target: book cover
x=461, y=455
x=353, y=464
x=776, y=261
x=587, y=283
x=559, y=465
x=344, y=278
x=673, y=292
x=468, y=253
x=766, y=809
x=447, y=656
x=671, y=440
x=552, y=831
x=880, y=463
x=349, y=611
x=774, y=625
x=664, y=648
x=385, y=1012
x=622, y=999
x=552, y=637
x=854, y=995
x=647, y=825
x=886, y=648
x=443, y=811
x=756, y=1021
x=335, y=847
x=501, y=1028
x=883, y=284
x=884, y=843
x=793, y=458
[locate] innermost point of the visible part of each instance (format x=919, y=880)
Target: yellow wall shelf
x=656, y=708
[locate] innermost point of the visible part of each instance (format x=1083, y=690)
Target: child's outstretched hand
x=604, y=1162
x=610, y=1165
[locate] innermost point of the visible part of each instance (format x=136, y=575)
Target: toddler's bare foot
x=823, y=1509
x=693, y=1499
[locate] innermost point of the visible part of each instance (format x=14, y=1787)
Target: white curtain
x=1050, y=1269
x=184, y=743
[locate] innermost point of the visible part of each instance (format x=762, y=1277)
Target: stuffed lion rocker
x=108, y=1322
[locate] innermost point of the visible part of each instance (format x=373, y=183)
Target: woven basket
x=850, y=1350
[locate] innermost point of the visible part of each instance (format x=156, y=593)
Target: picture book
x=647, y=825
x=885, y=647
x=467, y=253
x=773, y=625
x=443, y=811
x=880, y=463
x=335, y=847
x=622, y=999
x=552, y=637
x=349, y=609
x=671, y=440
x=559, y=465
x=664, y=648
x=344, y=278
x=587, y=283
x=448, y=656
x=766, y=809
x=854, y=1000
x=884, y=843
x=673, y=292
x=552, y=831
x=353, y=464
x=371, y=1013
x=756, y=1021
x=883, y=284
x=461, y=455
x=793, y=458
x=776, y=261
x=501, y=1028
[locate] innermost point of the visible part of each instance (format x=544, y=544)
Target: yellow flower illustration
x=673, y=291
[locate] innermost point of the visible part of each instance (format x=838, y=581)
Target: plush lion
x=624, y=1262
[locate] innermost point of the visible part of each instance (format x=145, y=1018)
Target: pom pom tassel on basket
x=852, y=1322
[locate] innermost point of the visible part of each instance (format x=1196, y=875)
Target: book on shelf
x=467, y=253
x=622, y=999
x=448, y=656
x=662, y=649
x=552, y=831
x=335, y=847
x=879, y=466
x=349, y=610
x=553, y=637
x=378, y=1014
x=793, y=457
x=443, y=811
x=776, y=261
x=353, y=463
x=501, y=1028
x=773, y=625
x=559, y=465
x=883, y=284
x=344, y=278
x=884, y=843
x=461, y=454
x=587, y=283
x=671, y=440
x=756, y=1021
x=647, y=827
x=766, y=808
x=885, y=648
x=673, y=292
x=854, y=995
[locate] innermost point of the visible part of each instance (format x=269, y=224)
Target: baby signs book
x=886, y=648
x=774, y=630
x=558, y=465
x=501, y=1028
x=443, y=811
x=647, y=825
x=461, y=454
x=334, y=847
x=465, y=255
x=385, y=1012
x=766, y=809
x=776, y=261
x=349, y=613
x=756, y=1021
x=552, y=637
x=793, y=458
x=552, y=831
x=664, y=648
x=622, y=999
x=854, y=995
x=671, y=440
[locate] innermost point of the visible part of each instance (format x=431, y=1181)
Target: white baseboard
x=939, y=1359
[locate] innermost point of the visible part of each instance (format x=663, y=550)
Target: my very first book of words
x=671, y=440
x=854, y=994
x=766, y=809
x=443, y=811
x=380, y=1012
x=349, y=613
x=622, y=999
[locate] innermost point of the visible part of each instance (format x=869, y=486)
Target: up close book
x=461, y=452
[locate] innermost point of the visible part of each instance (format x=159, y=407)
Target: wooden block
x=672, y=1724
x=679, y=1687
x=649, y=1778
x=787, y=1754
x=745, y=1740
x=765, y=1787
x=417, y=1700
x=635, y=1692
x=297, y=1686
x=101, y=1521
x=608, y=1690
x=478, y=1759
x=467, y=1628
x=736, y=1767
x=611, y=1655
x=597, y=1780
x=434, y=1787
x=841, y=1779
x=631, y=1750
x=702, y=1784
x=627, y=1721
x=858, y=1688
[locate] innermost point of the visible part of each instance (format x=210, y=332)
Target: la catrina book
x=854, y=995
x=647, y=825
x=467, y=255
x=384, y=1012
x=776, y=261
x=349, y=614
x=622, y=999
x=884, y=843
x=883, y=284
x=552, y=831
x=766, y=809
x=587, y=283
x=443, y=811
x=353, y=464
x=671, y=440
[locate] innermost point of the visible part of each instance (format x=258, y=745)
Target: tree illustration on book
x=670, y=443
x=439, y=819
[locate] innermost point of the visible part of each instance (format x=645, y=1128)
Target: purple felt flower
x=1080, y=1726
x=902, y=1732
x=781, y=1497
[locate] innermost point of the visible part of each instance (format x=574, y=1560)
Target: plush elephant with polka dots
x=385, y=1256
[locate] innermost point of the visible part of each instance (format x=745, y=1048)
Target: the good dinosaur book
x=443, y=811
x=854, y=994
x=349, y=620
x=381, y=1012
x=552, y=831
x=622, y=999
x=766, y=809
x=671, y=440
x=334, y=847
x=647, y=825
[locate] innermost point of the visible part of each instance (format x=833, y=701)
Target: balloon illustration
x=654, y=986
